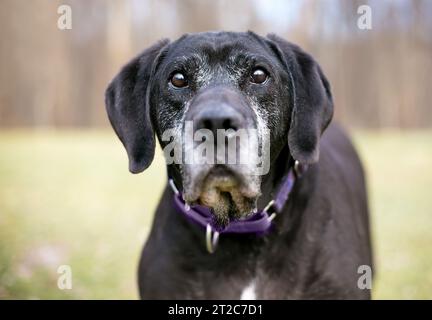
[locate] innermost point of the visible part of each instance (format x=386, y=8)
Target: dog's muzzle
x=224, y=180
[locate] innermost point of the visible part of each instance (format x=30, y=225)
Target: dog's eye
x=259, y=75
x=178, y=80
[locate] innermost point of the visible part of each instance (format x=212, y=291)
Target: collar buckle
x=259, y=223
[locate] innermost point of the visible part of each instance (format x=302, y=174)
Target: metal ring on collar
x=173, y=186
x=212, y=239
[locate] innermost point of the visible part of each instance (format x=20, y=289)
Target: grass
x=399, y=169
x=66, y=198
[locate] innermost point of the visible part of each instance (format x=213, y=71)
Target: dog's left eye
x=179, y=80
x=259, y=75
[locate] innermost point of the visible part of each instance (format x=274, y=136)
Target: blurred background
x=66, y=196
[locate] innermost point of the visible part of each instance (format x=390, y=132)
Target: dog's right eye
x=259, y=76
x=178, y=80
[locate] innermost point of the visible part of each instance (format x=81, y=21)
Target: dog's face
x=228, y=84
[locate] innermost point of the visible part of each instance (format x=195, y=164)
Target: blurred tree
x=380, y=77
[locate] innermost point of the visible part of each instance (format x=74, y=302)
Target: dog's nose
x=218, y=117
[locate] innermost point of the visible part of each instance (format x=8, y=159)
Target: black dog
x=223, y=80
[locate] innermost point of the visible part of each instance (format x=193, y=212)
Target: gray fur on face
x=232, y=193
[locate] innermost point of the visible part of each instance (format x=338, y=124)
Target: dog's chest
x=249, y=291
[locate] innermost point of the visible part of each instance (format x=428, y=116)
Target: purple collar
x=259, y=223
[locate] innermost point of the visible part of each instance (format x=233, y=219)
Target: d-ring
x=173, y=186
x=211, y=239
x=267, y=208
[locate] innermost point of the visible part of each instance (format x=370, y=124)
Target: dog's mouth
x=226, y=194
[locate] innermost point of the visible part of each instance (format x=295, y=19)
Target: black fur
x=321, y=237
x=128, y=109
x=313, y=105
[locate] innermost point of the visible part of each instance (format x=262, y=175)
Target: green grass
x=66, y=197
x=399, y=170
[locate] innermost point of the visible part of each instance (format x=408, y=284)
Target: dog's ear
x=126, y=100
x=312, y=103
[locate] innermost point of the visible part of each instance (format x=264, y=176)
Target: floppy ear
x=128, y=110
x=312, y=103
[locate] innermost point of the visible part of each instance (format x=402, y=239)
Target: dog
x=313, y=243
